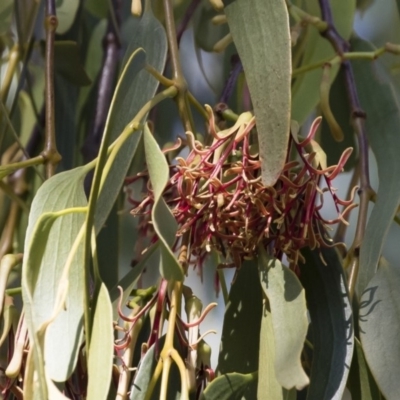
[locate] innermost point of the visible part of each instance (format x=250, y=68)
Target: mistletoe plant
x=99, y=166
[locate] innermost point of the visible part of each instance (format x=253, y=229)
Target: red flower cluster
x=217, y=196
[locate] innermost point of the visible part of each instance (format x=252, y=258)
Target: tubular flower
x=219, y=201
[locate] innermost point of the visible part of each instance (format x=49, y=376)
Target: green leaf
x=101, y=351
x=6, y=11
x=164, y=222
x=341, y=110
x=379, y=101
x=289, y=319
x=136, y=90
x=361, y=384
x=242, y=323
x=264, y=49
x=331, y=323
x=66, y=11
x=94, y=58
x=98, y=8
x=67, y=62
x=268, y=387
x=206, y=33
x=228, y=386
x=379, y=320
x=305, y=92
x=48, y=244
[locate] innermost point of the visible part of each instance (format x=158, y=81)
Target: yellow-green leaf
x=289, y=319
x=101, y=351
x=164, y=222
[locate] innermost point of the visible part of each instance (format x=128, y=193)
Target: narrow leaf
x=149, y=34
x=6, y=10
x=228, y=386
x=47, y=247
x=379, y=320
x=289, y=319
x=67, y=62
x=264, y=49
x=101, y=351
x=379, y=101
x=242, y=323
x=305, y=90
x=268, y=387
x=164, y=222
x=331, y=323
x=66, y=11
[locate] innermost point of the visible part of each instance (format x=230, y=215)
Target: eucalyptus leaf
x=135, y=90
x=331, y=329
x=101, y=351
x=289, y=319
x=239, y=350
x=379, y=320
x=341, y=110
x=6, y=11
x=305, y=91
x=67, y=62
x=361, y=384
x=379, y=101
x=66, y=11
x=229, y=386
x=99, y=8
x=264, y=49
x=46, y=252
x=206, y=33
x=164, y=222
x=268, y=387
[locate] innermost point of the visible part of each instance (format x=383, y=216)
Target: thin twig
x=178, y=77
x=341, y=46
x=50, y=153
x=186, y=19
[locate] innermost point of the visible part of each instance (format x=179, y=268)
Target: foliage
x=107, y=154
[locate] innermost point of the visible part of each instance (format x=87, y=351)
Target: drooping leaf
x=360, y=383
x=94, y=57
x=67, y=62
x=379, y=321
x=66, y=11
x=46, y=253
x=206, y=33
x=264, y=49
x=137, y=89
x=229, y=386
x=164, y=222
x=341, y=110
x=379, y=101
x=241, y=328
x=101, y=351
x=289, y=319
x=331, y=327
x=99, y=8
x=305, y=92
x=268, y=387
x=6, y=10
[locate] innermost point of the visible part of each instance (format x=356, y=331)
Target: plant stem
x=358, y=119
x=50, y=153
x=186, y=18
x=178, y=78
